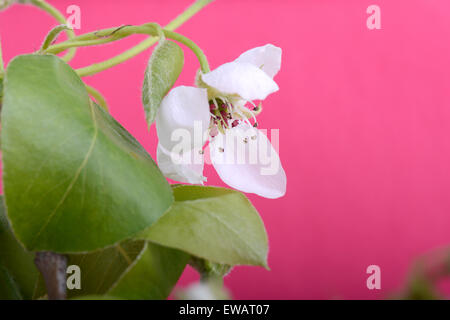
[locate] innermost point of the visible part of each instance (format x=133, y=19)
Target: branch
x=53, y=268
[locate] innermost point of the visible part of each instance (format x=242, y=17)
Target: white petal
x=199, y=291
x=190, y=170
x=252, y=166
x=267, y=57
x=183, y=118
x=243, y=79
x=204, y=290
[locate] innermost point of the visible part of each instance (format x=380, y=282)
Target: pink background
x=364, y=119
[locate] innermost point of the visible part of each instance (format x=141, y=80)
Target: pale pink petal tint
x=241, y=78
x=267, y=57
x=182, y=109
x=245, y=160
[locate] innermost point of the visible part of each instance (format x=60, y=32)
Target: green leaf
x=163, y=69
x=9, y=289
x=18, y=273
x=75, y=180
x=153, y=276
x=130, y=270
x=217, y=224
x=101, y=269
x=96, y=297
x=53, y=34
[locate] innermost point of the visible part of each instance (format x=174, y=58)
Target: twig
x=53, y=268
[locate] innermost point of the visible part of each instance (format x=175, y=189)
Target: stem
x=53, y=268
x=61, y=19
x=130, y=53
x=105, y=36
x=114, y=34
x=98, y=97
x=57, y=48
x=191, y=45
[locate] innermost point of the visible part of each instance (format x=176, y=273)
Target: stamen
x=247, y=114
x=243, y=117
x=221, y=149
x=229, y=107
x=223, y=99
x=257, y=110
x=213, y=132
x=213, y=106
x=253, y=115
x=224, y=121
x=224, y=114
x=220, y=129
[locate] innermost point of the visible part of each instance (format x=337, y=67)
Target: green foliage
x=74, y=178
x=130, y=270
x=217, y=224
x=208, y=269
x=18, y=274
x=153, y=276
x=77, y=183
x=164, y=67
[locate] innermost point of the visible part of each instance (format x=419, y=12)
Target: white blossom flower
x=217, y=110
x=6, y=3
x=204, y=290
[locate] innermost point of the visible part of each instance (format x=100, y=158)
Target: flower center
x=226, y=115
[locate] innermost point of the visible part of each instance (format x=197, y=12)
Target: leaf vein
x=75, y=178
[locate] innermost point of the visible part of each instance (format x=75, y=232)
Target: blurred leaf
x=74, y=178
x=204, y=290
x=164, y=67
x=421, y=288
x=9, y=289
x=425, y=275
x=217, y=224
x=96, y=297
x=153, y=276
x=101, y=269
x=130, y=270
x=18, y=274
